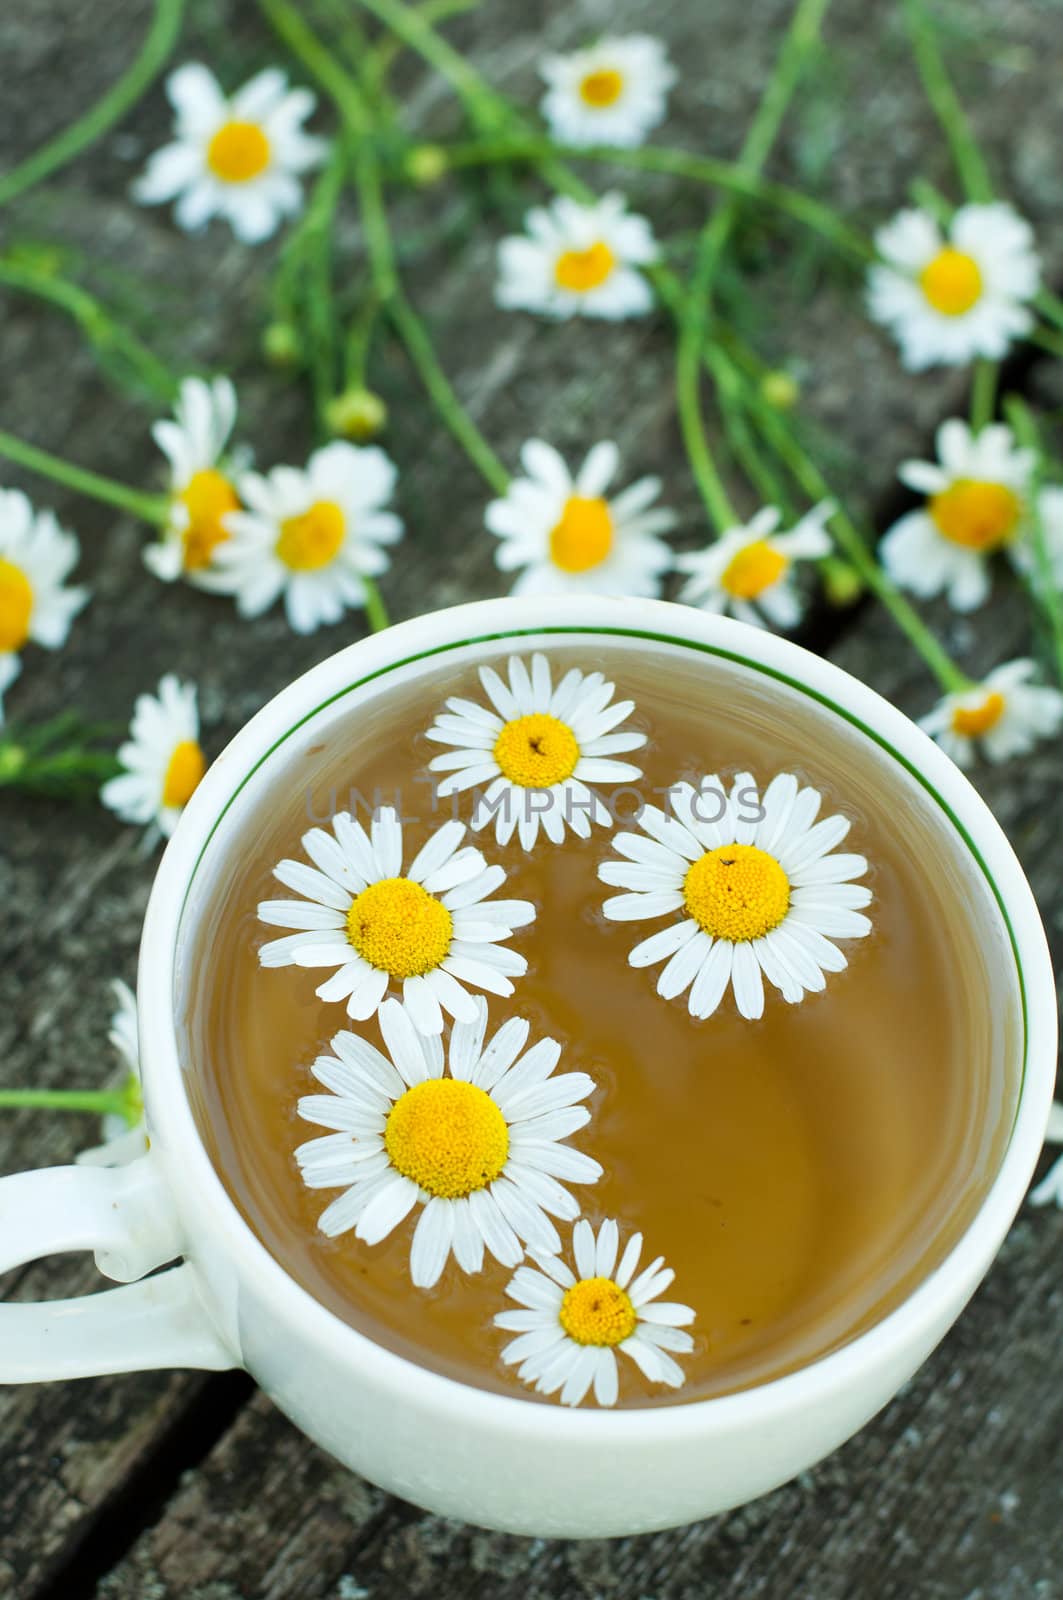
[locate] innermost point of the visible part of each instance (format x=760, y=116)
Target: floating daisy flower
x=1003, y=716
x=239, y=158
x=312, y=535
x=124, y=1135
x=761, y=892
x=431, y=930
x=951, y=299
x=480, y=1148
x=1051, y=1187
x=163, y=760
x=36, y=555
x=537, y=749
x=202, y=491
x=570, y=539
x=613, y=93
x=572, y=1323
x=578, y=260
x=977, y=493
x=749, y=571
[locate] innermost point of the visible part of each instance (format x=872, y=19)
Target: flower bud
x=356, y=414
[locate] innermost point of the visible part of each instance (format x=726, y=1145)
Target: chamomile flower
x=749, y=571
x=240, y=158
x=312, y=536
x=949, y=299
x=202, y=491
x=1050, y=516
x=163, y=760
x=760, y=891
x=578, y=260
x=537, y=748
x=1051, y=1187
x=124, y=1135
x=430, y=930
x=977, y=503
x=569, y=538
x=1003, y=716
x=36, y=555
x=615, y=92
x=572, y=1323
x=480, y=1147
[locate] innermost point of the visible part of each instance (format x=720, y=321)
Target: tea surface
x=800, y=1173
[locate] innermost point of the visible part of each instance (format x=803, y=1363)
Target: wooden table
x=178, y=1484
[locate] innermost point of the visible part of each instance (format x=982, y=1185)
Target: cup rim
x=935, y=1300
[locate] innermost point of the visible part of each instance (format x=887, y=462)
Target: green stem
x=322, y=329
x=421, y=352
x=709, y=170
x=376, y=612
x=161, y=38
x=388, y=46
x=149, y=507
x=487, y=109
x=1043, y=587
x=801, y=35
x=103, y=331
x=1050, y=306
x=777, y=433
x=379, y=246
x=104, y=1102
x=971, y=168
x=1047, y=339
x=984, y=393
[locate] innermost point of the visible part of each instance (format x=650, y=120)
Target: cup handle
x=124, y=1215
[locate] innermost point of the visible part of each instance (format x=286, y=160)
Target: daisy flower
x=480, y=1147
x=577, y=259
x=951, y=299
x=311, y=535
x=537, y=748
x=569, y=538
x=612, y=93
x=1003, y=716
x=431, y=930
x=163, y=760
x=572, y=1323
x=36, y=555
x=977, y=493
x=124, y=1136
x=748, y=571
x=1051, y=1186
x=202, y=494
x=238, y=158
x=760, y=891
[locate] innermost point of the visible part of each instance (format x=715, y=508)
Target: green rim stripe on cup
x=684, y=644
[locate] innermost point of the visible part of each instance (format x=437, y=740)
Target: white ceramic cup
x=498, y=1461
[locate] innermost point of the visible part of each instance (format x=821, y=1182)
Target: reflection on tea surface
x=801, y=1173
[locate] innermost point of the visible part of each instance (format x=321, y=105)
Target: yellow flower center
x=583, y=537
x=310, y=541
x=238, y=152
x=16, y=606
x=207, y=497
x=952, y=282
x=602, y=88
x=398, y=927
x=597, y=1311
x=448, y=1136
x=579, y=271
x=737, y=892
x=186, y=768
x=755, y=568
x=977, y=515
x=537, y=751
x=974, y=721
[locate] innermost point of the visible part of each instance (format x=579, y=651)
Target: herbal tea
x=705, y=980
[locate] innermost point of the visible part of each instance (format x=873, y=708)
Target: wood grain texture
x=950, y=1494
